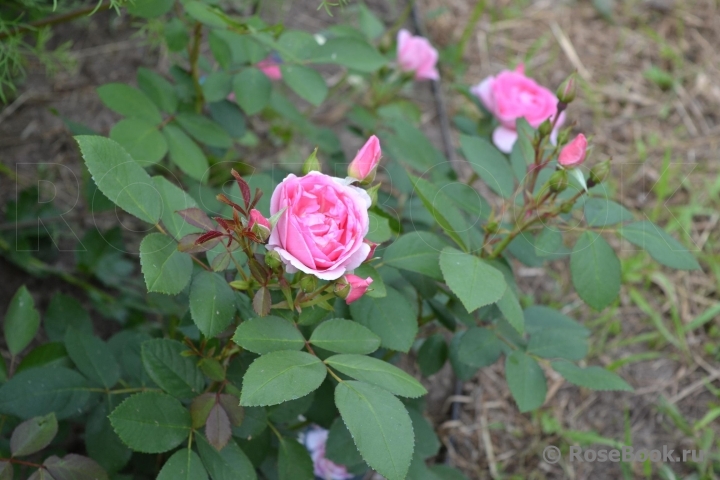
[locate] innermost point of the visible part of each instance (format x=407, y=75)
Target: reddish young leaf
x=206, y=237
x=217, y=428
x=200, y=408
x=33, y=435
x=227, y=225
x=188, y=244
x=74, y=467
x=197, y=218
x=244, y=187
x=232, y=407
x=262, y=302
x=258, y=196
x=222, y=198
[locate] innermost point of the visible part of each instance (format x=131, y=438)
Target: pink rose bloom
x=315, y=441
x=322, y=228
x=364, y=166
x=512, y=95
x=415, y=54
x=573, y=154
x=351, y=287
x=270, y=67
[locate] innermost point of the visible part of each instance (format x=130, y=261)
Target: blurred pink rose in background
x=511, y=95
x=270, y=66
x=322, y=228
x=416, y=54
x=315, y=442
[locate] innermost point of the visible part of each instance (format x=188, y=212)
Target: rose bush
x=281, y=300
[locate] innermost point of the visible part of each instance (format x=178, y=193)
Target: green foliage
x=21, y=321
x=281, y=376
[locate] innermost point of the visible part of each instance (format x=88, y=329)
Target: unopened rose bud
x=563, y=136
x=545, y=128
x=373, y=246
x=259, y=225
x=312, y=164
x=308, y=283
x=599, y=173
x=240, y=285
x=272, y=259
x=492, y=227
x=566, y=207
x=351, y=287
x=567, y=90
x=558, y=181
x=573, y=154
x=364, y=166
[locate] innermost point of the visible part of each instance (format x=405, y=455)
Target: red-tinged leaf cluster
x=219, y=412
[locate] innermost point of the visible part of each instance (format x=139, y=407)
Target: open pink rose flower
x=416, y=54
x=364, y=166
x=573, y=154
x=322, y=228
x=511, y=95
x=315, y=441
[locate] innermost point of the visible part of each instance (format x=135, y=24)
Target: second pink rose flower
x=416, y=54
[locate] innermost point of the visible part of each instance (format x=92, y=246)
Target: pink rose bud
x=270, y=67
x=351, y=287
x=373, y=246
x=364, y=165
x=259, y=225
x=573, y=154
x=321, y=224
x=416, y=54
x=315, y=441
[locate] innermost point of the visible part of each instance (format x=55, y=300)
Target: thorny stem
x=22, y=462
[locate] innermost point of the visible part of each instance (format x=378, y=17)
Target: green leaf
x=174, y=199
x=489, y=164
x=281, y=376
x=377, y=289
x=183, y=465
x=418, y=252
x=392, y=318
x=378, y=229
x=510, y=307
x=129, y=101
x=205, y=14
x=660, y=245
x=229, y=116
x=204, y=130
x=33, y=435
x=432, y=354
x=539, y=319
x=548, y=242
x=252, y=90
x=294, y=462
x=377, y=372
x=212, y=303
x=175, y=373
x=344, y=336
x=230, y=463
x=176, y=35
x=473, y=280
x=526, y=381
x=39, y=391
x=268, y=334
x=595, y=271
x=21, y=322
x=150, y=8
x=594, y=378
x=350, y=52
x=120, y=178
x=306, y=82
x=102, y=443
x=443, y=211
x=74, y=467
x=370, y=24
x=50, y=355
x=380, y=426
x=92, y=357
x=217, y=86
x=165, y=268
x=65, y=312
x=185, y=153
x=160, y=91
x=340, y=447
x=141, y=139
x=601, y=212
x=6, y=471
x=427, y=443
x=443, y=472
x=151, y=422
x=552, y=343
x=479, y=347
